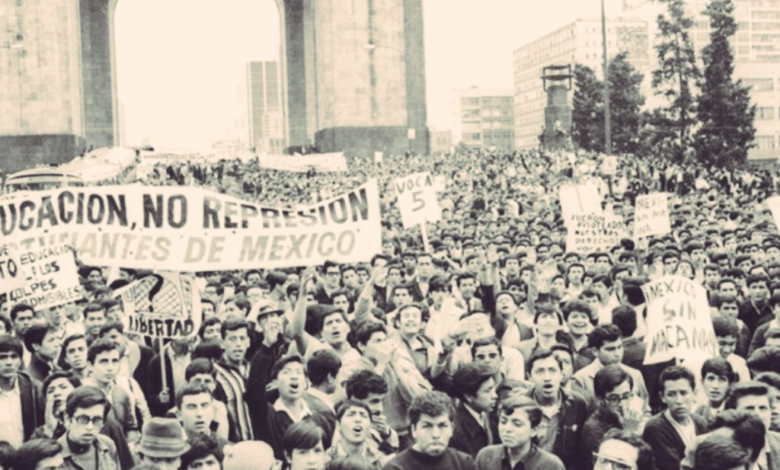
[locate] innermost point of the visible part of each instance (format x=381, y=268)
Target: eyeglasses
x=617, y=399
x=605, y=462
x=84, y=420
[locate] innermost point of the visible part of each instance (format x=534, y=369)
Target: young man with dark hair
x=369, y=388
x=753, y=397
x=616, y=408
x=431, y=417
x=772, y=381
x=717, y=376
x=94, y=319
x=19, y=396
x=232, y=375
x=671, y=432
x=475, y=387
x=39, y=454
x=564, y=413
x=518, y=420
x=622, y=449
x=755, y=310
x=727, y=334
x=607, y=340
x=195, y=409
x=43, y=341
x=205, y=453
x=83, y=447
x=292, y=405
x=354, y=426
x=22, y=316
x=322, y=369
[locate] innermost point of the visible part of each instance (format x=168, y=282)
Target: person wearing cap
x=83, y=446
x=162, y=443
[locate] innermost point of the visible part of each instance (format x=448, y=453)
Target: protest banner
x=678, y=320
x=51, y=278
x=773, y=203
x=579, y=200
x=594, y=232
x=417, y=199
x=651, y=216
x=609, y=165
x=191, y=229
x=11, y=275
x=324, y=162
x=164, y=305
x=440, y=183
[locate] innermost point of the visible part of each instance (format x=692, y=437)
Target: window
x=759, y=84
x=765, y=142
x=765, y=113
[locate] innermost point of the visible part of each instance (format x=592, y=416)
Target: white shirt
x=11, y=425
x=687, y=431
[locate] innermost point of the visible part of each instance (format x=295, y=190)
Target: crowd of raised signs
x=482, y=343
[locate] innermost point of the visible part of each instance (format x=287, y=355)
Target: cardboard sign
x=651, y=216
x=51, y=278
x=417, y=199
x=774, y=207
x=324, y=162
x=609, y=165
x=190, y=229
x=579, y=200
x=678, y=320
x=440, y=183
x=590, y=233
x=11, y=275
x=164, y=305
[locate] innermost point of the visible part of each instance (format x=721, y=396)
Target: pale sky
x=181, y=63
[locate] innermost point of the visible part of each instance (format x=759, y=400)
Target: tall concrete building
x=576, y=43
x=483, y=119
x=756, y=49
x=353, y=75
x=266, y=111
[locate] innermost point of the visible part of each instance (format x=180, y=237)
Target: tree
x=678, y=74
x=725, y=112
x=587, y=110
x=626, y=102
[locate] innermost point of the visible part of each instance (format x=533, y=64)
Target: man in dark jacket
x=671, y=432
x=475, y=385
x=19, y=395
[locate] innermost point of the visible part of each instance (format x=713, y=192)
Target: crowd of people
x=489, y=346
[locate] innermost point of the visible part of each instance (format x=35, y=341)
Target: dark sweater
x=451, y=459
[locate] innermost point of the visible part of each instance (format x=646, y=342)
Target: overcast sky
x=180, y=63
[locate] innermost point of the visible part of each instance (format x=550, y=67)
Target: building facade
x=266, y=116
x=576, y=43
x=441, y=141
x=483, y=119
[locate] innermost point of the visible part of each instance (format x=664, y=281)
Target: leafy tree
x=678, y=74
x=725, y=112
x=626, y=102
x=587, y=117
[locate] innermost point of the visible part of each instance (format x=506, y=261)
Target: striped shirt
x=233, y=382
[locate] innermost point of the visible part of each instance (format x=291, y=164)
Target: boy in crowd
x=563, y=413
x=353, y=438
x=475, y=386
x=83, y=446
x=671, y=432
x=195, y=409
x=369, y=388
x=518, y=420
x=431, y=417
x=717, y=376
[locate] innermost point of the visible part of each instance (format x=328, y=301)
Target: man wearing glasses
x=623, y=450
x=83, y=447
x=616, y=408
